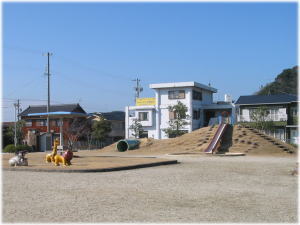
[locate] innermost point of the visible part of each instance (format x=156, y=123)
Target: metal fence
x=90, y=145
x=270, y=117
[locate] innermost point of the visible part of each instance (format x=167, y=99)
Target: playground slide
x=216, y=139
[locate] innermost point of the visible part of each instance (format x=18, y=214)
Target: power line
x=18, y=48
x=73, y=62
x=81, y=82
x=29, y=83
x=90, y=68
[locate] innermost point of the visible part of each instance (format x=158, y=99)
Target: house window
x=28, y=123
x=54, y=123
x=294, y=111
x=172, y=115
x=196, y=114
x=117, y=125
x=144, y=134
x=176, y=94
x=174, y=136
x=143, y=116
x=197, y=95
x=41, y=123
x=131, y=113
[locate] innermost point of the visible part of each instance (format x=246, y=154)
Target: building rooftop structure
x=266, y=99
x=63, y=109
x=183, y=84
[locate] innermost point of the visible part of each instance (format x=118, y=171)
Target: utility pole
x=17, y=112
x=138, y=89
x=15, y=138
x=18, y=107
x=48, y=105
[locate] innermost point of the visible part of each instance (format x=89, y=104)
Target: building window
x=294, y=111
x=131, y=113
x=41, y=123
x=196, y=114
x=172, y=115
x=144, y=134
x=197, y=95
x=117, y=125
x=28, y=123
x=143, y=116
x=174, y=135
x=54, y=123
x=176, y=94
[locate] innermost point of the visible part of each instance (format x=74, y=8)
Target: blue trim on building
x=57, y=113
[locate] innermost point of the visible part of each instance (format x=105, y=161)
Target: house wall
x=43, y=129
x=285, y=118
x=277, y=112
x=149, y=125
x=117, y=128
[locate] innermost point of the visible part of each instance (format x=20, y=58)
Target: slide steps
x=271, y=140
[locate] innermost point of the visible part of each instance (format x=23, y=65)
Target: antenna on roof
x=209, y=84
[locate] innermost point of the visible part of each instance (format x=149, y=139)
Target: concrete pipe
x=127, y=144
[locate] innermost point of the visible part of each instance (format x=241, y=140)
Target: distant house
x=35, y=117
x=282, y=110
x=117, y=119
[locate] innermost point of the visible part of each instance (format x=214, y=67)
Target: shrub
x=12, y=148
x=9, y=148
x=23, y=148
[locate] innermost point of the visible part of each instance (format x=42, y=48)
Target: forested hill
x=285, y=82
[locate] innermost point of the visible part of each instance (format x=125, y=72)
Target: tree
x=9, y=134
x=178, y=120
x=285, y=83
x=78, y=128
x=101, y=129
x=261, y=119
x=137, y=128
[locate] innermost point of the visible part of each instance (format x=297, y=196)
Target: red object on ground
x=68, y=155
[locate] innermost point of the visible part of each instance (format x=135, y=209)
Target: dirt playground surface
x=246, y=189
x=85, y=161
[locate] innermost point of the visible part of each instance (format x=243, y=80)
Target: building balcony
x=270, y=117
x=294, y=120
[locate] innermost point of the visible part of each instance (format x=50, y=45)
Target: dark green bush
x=12, y=148
x=9, y=148
x=23, y=148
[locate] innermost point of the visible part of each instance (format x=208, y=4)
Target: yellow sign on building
x=145, y=101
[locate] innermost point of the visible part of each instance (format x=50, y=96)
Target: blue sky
x=98, y=48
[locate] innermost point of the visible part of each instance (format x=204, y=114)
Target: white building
x=154, y=115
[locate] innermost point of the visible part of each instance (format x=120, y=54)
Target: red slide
x=216, y=139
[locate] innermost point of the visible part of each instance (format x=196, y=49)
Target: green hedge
x=12, y=148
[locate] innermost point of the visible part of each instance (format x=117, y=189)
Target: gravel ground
x=199, y=189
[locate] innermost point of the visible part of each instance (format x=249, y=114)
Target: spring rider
x=19, y=159
x=65, y=159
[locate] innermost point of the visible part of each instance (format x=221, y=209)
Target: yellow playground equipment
x=65, y=159
x=50, y=157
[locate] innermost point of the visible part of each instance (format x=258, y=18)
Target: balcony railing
x=270, y=117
